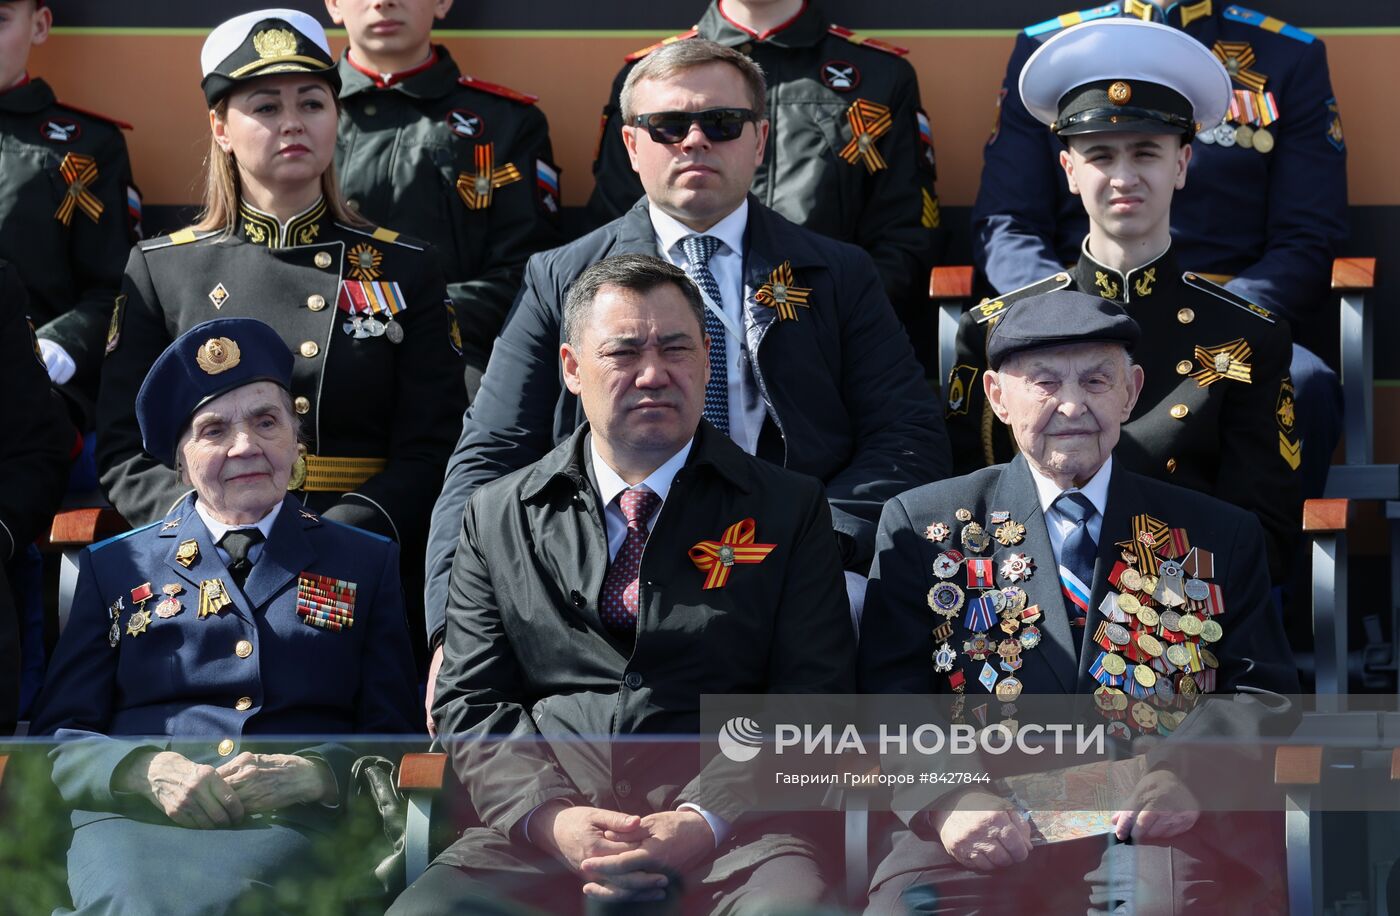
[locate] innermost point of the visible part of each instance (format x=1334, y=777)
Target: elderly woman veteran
x=239, y=617
x=377, y=376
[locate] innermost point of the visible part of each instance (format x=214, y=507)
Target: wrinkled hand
x=1161, y=807
x=433, y=667
x=575, y=834
x=191, y=794
x=981, y=832
x=668, y=842
x=270, y=782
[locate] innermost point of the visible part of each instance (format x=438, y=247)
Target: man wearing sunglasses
x=809, y=367
x=823, y=81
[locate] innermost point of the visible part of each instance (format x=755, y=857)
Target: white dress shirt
x=610, y=485
x=746, y=410
x=218, y=529
x=1059, y=526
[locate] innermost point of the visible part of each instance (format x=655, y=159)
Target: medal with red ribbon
x=869, y=121
x=716, y=558
x=476, y=190
x=80, y=172
x=780, y=295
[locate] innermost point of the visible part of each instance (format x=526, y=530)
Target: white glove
x=57, y=361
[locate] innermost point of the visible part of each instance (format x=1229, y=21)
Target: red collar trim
x=765, y=35
x=23, y=82
x=385, y=80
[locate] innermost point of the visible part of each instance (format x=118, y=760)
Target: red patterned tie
x=619, y=599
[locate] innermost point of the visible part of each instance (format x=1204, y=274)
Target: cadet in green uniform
x=461, y=162
x=850, y=153
x=1217, y=413
x=68, y=208
x=377, y=379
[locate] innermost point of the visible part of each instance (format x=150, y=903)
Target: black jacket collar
x=1157, y=279
x=261, y=228
x=33, y=96
x=805, y=29
x=432, y=82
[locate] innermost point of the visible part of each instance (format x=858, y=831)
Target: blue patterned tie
x=698, y=251
x=1077, y=555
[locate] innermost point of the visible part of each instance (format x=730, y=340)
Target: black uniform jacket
x=209, y=687
x=1232, y=435
x=404, y=149
x=845, y=399
x=528, y=657
x=816, y=72
x=364, y=397
x=897, y=643
x=68, y=246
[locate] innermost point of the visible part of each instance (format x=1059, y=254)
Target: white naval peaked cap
x=230, y=35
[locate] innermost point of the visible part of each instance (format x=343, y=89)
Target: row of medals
x=1226, y=134
x=213, y=599
x=360, y=328
x=1017, y=621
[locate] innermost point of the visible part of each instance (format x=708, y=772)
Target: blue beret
x=206, y=361
x=1059, y=318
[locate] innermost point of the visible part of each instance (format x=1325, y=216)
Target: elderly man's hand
x=270, y=782
x=981, y=832
x=575, y=833
x=1161, y=807
x=191, y=794
x=668, y=842
x=433, y=668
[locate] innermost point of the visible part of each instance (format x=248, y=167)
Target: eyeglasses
x=718, y=124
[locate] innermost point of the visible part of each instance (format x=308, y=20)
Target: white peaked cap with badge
x=1127, y=50
x=229, y=36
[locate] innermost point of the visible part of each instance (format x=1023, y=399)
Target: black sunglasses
x=718, y=124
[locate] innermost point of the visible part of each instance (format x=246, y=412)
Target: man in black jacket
x=596, y=596
x=811, y=370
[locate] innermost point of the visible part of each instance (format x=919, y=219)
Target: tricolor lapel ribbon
x=1076, y=592
x=869, y=121
x=716, y=558
x=80, y=172
x=476, y=190
x=779, y=294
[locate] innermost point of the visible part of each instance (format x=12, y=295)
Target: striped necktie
x=698, y=251
x=1077, y=555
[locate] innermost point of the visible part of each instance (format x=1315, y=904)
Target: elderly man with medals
x=195, y=640
x=1064, y=573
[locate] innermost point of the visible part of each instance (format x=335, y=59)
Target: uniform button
x=1179, y=411
x=633, y=680
x=371, y=110
x=1186, y=316
x=323, y=259
x=1171, y=465
x=243, y=649
x=302, y=405
x=309, y=348
x=1183, y=367
x=225, y=747
x=353, y=204
x=316, y=301
x=623, y=788
x=243, y=703
x=577, y=598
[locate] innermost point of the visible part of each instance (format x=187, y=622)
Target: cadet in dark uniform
x=453, y=159
x=33, y=465
x=377, y=379
x=850, y=154
x=68, y=207
x=1218, y=413
x=238, y=617
x=1261, y=218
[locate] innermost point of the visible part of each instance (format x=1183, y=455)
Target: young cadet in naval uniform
x=1264, y=209
x=203, y=648
x=68, y=209
x=1218, y=411
x=377, y=380
x=453, y=159
x=1063, y=572
x=850, y=152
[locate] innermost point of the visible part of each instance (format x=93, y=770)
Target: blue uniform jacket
x=195, y=679
x=1269, y=220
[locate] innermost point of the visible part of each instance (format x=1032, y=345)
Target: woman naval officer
x=377, y=377
x=240, y=616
